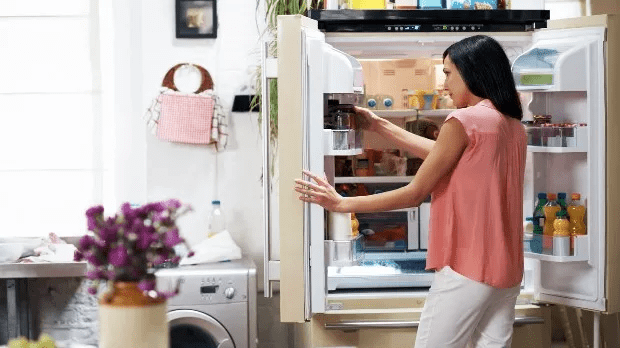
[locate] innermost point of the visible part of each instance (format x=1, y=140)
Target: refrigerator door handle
x=269, y=70
x=305, y=90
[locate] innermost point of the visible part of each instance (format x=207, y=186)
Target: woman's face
x=454, y=84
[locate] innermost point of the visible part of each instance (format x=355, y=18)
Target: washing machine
x=215, y=307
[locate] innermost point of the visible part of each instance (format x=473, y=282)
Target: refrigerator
x=568, y=70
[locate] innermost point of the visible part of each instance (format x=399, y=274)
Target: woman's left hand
x=321, y=193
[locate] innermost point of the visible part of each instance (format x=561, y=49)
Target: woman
x=474, y=171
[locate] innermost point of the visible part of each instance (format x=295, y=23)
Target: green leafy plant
x=274, y=8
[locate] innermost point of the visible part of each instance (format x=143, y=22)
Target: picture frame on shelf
x=196, y=19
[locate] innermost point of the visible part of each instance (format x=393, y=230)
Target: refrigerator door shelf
x=555, y=149
x=342, y=142
x=554, y=65
x=559, y=139
x=344, y=253
x=580, y=253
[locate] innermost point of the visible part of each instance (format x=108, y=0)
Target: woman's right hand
x=366, y=119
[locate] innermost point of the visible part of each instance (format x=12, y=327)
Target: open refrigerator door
x=564, y=71
x=311, y=75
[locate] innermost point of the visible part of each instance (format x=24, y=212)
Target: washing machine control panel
x=207, y=288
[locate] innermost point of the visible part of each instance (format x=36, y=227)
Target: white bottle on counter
x=217, y=221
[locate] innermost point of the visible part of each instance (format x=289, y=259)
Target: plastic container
x=217, y=221
x=536, y=243
x=340, y=226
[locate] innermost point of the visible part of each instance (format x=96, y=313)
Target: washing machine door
x=193, y=329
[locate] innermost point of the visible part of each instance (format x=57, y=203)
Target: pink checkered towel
x=185, y=118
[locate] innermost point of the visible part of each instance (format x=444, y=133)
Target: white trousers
x=460, y=312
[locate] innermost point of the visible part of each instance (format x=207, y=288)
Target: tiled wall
x=63, y=308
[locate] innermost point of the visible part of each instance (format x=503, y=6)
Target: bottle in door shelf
x=536, y=244
x=561, y=234
x=539, y=212
x=551, y=208
x=576, y=213
x=562, y=200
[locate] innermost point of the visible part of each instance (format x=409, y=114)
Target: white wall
x=145, y=48
x=565, y=8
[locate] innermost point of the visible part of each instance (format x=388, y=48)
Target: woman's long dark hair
x=485, y=69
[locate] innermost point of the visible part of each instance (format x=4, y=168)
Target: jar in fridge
x=344, y=135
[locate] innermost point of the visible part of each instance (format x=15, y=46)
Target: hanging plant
x=273, y=9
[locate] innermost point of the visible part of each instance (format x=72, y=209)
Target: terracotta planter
x=129, y=318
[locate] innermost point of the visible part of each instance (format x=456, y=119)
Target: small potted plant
x=123, y=251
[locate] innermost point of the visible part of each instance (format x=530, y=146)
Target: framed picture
x=196, y=19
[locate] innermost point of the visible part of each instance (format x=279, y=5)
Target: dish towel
x=194, y=118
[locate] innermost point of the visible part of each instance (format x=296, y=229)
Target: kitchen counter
x=42, y=270
x=16, y=274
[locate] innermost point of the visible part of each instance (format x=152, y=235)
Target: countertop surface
x=70, y=345
x=42, y=270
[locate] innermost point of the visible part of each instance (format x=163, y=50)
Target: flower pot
x=130, y=318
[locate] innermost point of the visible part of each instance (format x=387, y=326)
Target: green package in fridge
x=536, y=79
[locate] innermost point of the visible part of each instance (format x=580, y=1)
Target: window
x=52, y=131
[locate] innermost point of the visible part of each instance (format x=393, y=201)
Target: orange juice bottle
x=576, y=212
x=551, y=208
x=561, y=234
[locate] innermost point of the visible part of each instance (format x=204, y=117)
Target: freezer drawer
x=394, y=330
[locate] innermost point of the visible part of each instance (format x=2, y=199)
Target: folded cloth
x=53, y=249
x=219, y=247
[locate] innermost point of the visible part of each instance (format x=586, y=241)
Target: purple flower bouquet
x=125, y=247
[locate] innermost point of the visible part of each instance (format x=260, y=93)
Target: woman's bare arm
x=401, y=138
x=443, y=157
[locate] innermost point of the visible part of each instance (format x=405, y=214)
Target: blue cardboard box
x=432, y=4
x=474, y=4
